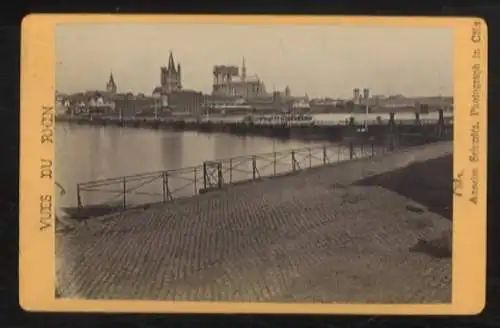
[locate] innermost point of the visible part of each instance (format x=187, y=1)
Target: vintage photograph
x=279, y=163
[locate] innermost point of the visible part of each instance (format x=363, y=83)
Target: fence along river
x=127, y=167
x=89, y=153
x=180, y=164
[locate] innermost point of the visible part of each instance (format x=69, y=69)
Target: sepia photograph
x=278, y=163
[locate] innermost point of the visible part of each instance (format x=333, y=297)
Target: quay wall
x=317, y=130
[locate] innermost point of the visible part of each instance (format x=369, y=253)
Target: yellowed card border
x=37, y=263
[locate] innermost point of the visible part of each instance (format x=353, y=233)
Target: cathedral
x=229, y=83
x=170, y=79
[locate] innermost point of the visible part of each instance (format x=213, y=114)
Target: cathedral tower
x=171, y=75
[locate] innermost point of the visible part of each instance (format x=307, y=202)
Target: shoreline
x=379, y=130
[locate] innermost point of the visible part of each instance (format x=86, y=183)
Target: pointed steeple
x=111, y=85
x=171, y=64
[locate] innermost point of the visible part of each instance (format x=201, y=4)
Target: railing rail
x=115, y=194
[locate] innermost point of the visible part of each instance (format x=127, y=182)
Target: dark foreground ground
x=355, y=232
x=429, y=183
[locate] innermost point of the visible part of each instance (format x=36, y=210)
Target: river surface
x=86, y=153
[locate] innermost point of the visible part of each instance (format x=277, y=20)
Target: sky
x=317, y=60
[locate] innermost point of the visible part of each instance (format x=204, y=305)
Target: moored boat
x=280, y=119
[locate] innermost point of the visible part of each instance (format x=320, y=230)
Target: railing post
x=164, y=186
x=78, y=196
x=124, y=192
x=373, y=148
x=205, y=175
x=293, y=160
x=169, y=194
x=230, y=170
x=324, y=154
x=310, y=159
x=254, y=167
x=195, y=180
x=440, y=123
x=391, y=131
x=351, y=150
x=220, y=178
x=274, y=163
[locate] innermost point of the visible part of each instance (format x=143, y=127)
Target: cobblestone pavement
x=309, y=237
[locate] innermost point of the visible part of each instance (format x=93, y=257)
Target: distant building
x=129, y=104
x=271, y=103
x=399, y=103
x=170, y=77
x=92, y=102
x=228, y=82
x=111, y=85
x=233, y=92
x=326, y=105
x=171, y=97
x=178, y=101
x=61, y=104
x=185, y=101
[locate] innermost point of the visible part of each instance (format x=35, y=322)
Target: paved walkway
x=308, y=237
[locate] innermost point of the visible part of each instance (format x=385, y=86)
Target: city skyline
x=318, y=60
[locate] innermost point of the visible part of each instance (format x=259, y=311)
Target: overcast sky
x=320, y=60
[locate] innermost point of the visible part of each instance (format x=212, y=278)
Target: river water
x=86, y=153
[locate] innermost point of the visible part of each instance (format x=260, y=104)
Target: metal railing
x=163, y=186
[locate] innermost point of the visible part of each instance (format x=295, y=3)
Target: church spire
x=111, y=85
x=171, y=64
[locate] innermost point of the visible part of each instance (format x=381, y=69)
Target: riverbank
x=323, y=235
x=379, y=127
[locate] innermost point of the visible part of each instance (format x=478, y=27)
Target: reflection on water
x=85, y=153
